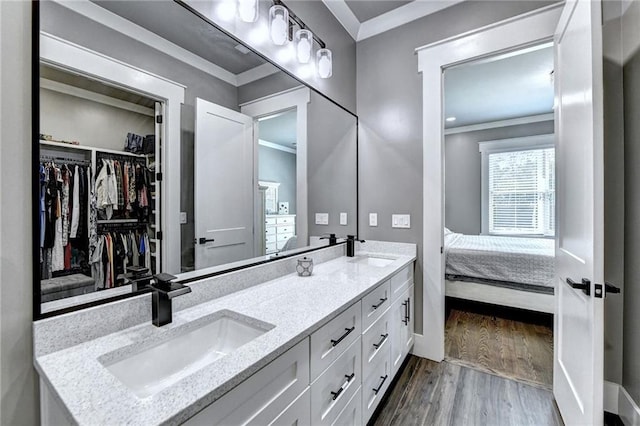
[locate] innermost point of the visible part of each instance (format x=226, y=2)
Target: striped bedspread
x=518, y=260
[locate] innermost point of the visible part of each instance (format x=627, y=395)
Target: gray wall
x=390, y=112
x=331, y=166
x=463, y=198
x=91, y=123
x=275, y=165
x=18, y=383
x=631, y=347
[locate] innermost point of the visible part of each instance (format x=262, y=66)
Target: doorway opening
x=499, y=214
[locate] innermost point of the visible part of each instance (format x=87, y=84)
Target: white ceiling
x=508, y=86
x=279, y=129
x=365, y=10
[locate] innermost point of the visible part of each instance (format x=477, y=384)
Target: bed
x=508, y=271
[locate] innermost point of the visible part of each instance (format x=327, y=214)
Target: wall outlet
x=373, y=219
x=183, y=218
x=343, y=218
x=401, y=221
x=322, y=218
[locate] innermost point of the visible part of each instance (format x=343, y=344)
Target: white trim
x=279, y=147
x=611, y=397
x=500, y=123
x=293, y=98
x=345, y=16
x=519, y=31
x=56, y=86
x=628, y=409
x=67, y=55
x=111, y=20
x=261, y=71
x=402, y=15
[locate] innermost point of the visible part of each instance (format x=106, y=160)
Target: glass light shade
x=279, y=25
x=248, y=10
x=304, y=43
x=325, y=63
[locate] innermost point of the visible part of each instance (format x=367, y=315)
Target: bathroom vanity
x=260, y=345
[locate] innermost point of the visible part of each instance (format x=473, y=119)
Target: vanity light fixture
x=279, y=25
x=304, y=45
x=325, y=63
x=248, y=10
x=450, y=119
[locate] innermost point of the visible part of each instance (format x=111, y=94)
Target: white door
x=224, y=193
x=579, y=323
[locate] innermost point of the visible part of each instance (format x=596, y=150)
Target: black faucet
x=163, y=291
x=351, y=245
x=332, y=239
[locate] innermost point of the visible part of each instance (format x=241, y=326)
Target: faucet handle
x=165, y=286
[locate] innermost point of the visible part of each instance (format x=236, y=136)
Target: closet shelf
x=104, y=221
x=88, y=148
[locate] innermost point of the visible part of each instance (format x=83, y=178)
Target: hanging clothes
x=106, y=189
x=75, y=210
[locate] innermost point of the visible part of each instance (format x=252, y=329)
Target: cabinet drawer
x=375, y=303
x=270, y=221
x=285, y=220
x=331, y=392
x=351, y=415
x=298, y=413
x=376, y=342
x=263, y=396
x=333, y=338
x=270, y=230
x=270, y=238
x=401, y=281
x=288, y=229
x=374, y=386
x=284, y=237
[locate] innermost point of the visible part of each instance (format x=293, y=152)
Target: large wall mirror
x=166, y=145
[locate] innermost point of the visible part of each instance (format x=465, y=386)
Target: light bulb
x=248, y=10
x=304, y=40
x=325, y=66
x=279, y=19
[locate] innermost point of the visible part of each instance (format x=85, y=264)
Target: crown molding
x=261, y=71
x=397, y=17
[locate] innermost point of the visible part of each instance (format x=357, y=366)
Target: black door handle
x=204, y=240
x=610, y=288
x=584, y=285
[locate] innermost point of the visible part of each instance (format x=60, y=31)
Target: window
x=518, y=182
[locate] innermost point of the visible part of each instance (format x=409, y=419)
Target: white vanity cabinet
x=402, y=320
x=265, y=396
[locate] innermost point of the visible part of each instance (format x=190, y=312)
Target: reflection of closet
x=99, y=117
x=279, y=228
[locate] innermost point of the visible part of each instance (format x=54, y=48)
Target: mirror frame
x=35, y=188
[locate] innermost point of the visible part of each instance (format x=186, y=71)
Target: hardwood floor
x=502, y=346
x=430, y=393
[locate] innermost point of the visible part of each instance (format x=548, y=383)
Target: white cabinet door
x=262, y=397
x=401, y=328
x=224, y=183
x=579, y=318
x=298, y=413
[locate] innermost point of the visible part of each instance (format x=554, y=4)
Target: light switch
x=401, y=221
x=183, y=218
x=322, y=218
x=343, y=218
x=373, y=219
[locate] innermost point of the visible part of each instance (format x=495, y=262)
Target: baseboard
x=611, y=397
x=628, y=409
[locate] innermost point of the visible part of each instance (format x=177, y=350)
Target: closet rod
x=65, y=160
x=118, y=226
x=123, y=157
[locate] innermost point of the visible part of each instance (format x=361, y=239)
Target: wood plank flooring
x=506, y=347
x=429, y=393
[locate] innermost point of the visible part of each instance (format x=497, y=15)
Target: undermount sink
x=378, y=261
x=152, y=369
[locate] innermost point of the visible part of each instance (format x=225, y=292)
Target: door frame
x=298, y=98
x=527, y=29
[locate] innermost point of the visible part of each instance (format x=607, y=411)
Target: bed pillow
x=447, y=231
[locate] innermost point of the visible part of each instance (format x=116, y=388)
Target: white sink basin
x=152, y=369
x=380, y=262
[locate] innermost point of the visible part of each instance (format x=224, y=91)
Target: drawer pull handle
x=409, y=309
x=384, y=379
x=384, y=337
x=335, y=395
x=341, y=338
x=379, y=304
x=405, y=320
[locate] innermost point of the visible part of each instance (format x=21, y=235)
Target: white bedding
x=517, y=260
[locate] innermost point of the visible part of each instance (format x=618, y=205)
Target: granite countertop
x=295, y=306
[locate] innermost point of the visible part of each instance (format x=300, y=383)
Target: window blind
x=522, y=192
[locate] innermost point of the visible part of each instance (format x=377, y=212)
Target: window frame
x=527, y=143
